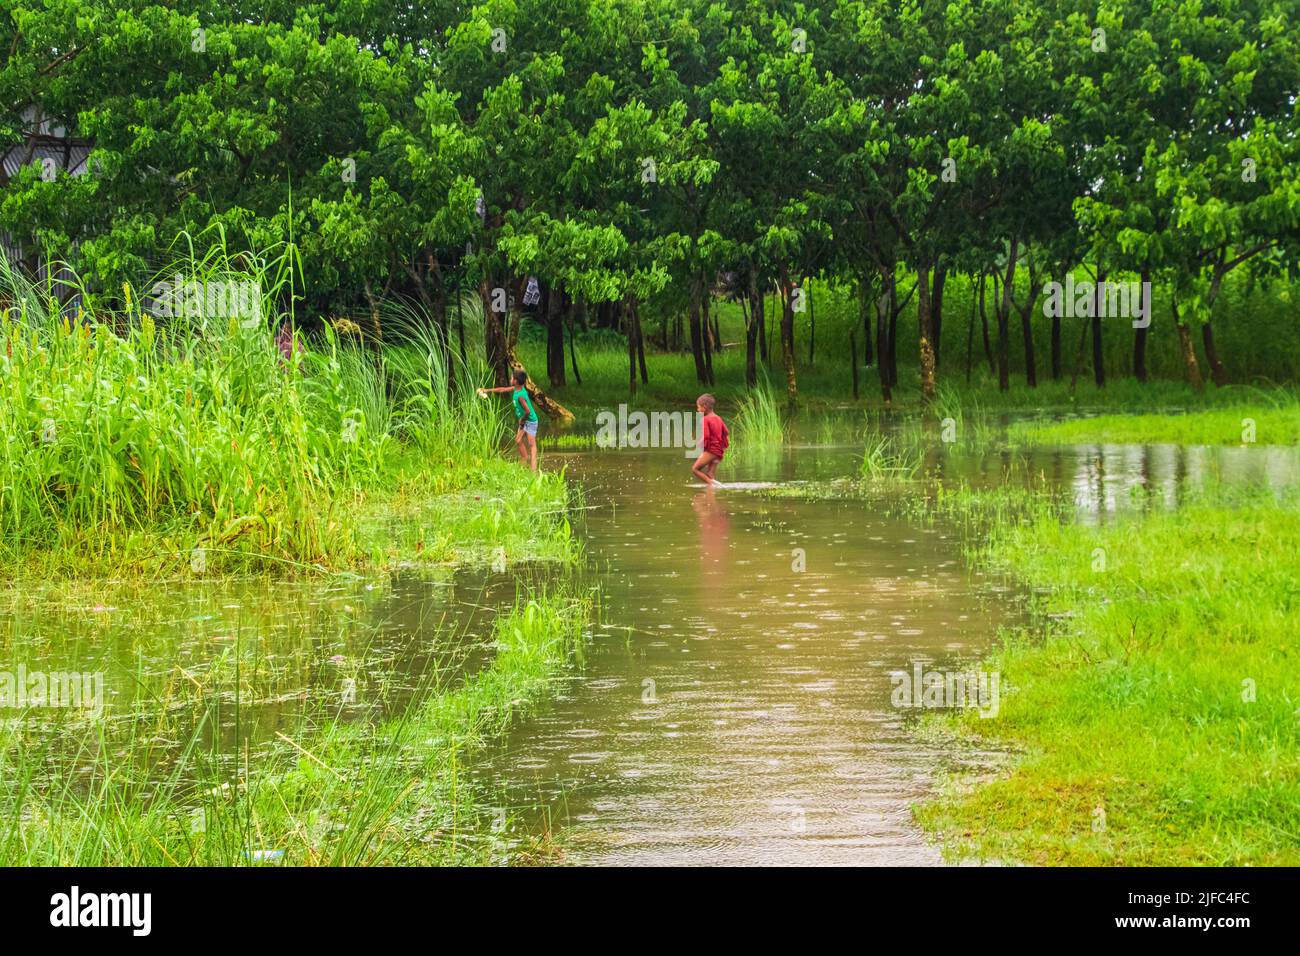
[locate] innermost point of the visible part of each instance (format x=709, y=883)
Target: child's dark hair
x=707, y=401
x=519, y=376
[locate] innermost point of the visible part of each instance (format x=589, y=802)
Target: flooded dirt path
x=735, y=706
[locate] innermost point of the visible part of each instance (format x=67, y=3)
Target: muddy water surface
x=736, y=708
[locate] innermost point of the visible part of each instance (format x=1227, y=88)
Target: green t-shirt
x=523, y=405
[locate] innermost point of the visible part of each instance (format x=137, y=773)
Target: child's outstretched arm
x=496, y=391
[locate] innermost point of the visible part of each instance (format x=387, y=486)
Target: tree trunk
x=1098, y=357
x=494, y=339
x=1189, y=352
x=706, y=303
x=1217, y=371
x=1140, y=333
x=984, y=325
x=553, y=309
x=1027, y=330
x=752, y=327
x=629, y=321
x=697, y=342
x=853, y=361
x=883, y=313
x=787, y=337
x=812, y=322
x=376, y=330
x=640, y=350
x=460, y=315
x=864, y=310
x=970, y=337
x=936, y=311
x=925, y=332
x=440, y=319
x=573, y=351
x=1056, y=348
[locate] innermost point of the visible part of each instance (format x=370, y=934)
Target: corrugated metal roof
x=70, y=155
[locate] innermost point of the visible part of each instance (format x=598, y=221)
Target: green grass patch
x=1275, y=422
x=1156, y=710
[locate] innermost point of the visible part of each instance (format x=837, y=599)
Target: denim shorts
x=529, y=428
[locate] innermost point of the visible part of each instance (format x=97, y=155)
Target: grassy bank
x=349, y=794
x=1273, y=421
x=1156, y=708
x=191, y=445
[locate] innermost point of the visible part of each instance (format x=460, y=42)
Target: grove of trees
x=636, y=155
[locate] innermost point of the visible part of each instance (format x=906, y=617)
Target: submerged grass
x=348, y=794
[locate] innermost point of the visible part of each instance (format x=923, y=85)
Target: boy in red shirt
x=715, y=439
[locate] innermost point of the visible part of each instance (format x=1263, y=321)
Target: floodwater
x=736, y=708
x=736, y=703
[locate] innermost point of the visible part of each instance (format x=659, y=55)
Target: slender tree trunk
x=1056, y=346
x=553, y=309
x=440, y=319
x=697, y=339
x=1027, y=330
x=864, y=311
x=706, y=308
x=812, y=322
x=1189, y=352
x=970, y=336
x=984, y=325
x=573, y=350
x=936, y=311
x=1004, y=347
x=640, y=348
x=1217, y=371
x=1098, y=356
x=1140, y=333
x=925, y=332
x=630, y=322
x=893, y=338
x=752, y=327
x=460, y=315
x=494, y=339
x=884, y=312
x=787, y=337
x=853, y=361
x=377, y=331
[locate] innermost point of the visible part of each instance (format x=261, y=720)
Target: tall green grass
x=758, y=419
x=171, y=442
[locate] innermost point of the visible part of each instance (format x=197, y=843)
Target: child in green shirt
x=525, y=414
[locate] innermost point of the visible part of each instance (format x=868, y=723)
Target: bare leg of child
x=531, y=440
x=521, y=442
x=701, y=467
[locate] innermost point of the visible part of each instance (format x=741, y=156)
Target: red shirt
x=716, y=437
